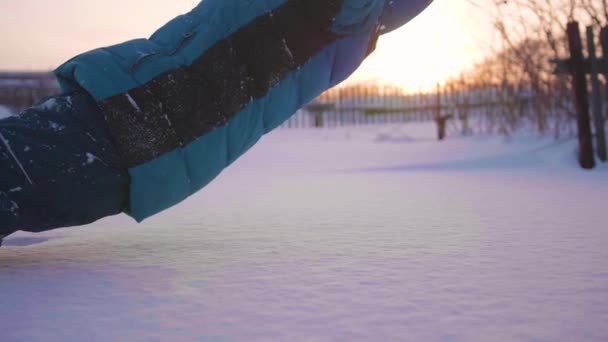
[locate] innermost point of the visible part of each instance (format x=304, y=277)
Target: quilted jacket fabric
x=185, y=103
x=144, y=124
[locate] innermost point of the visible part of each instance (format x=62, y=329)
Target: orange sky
x=41, y=34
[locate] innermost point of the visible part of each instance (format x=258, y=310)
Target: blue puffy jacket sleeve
x=185, y=103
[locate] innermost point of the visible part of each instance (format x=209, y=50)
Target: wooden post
x=596, y=97
x=604, y=43
x=440, y=130
x=439, y=119
x=579, y=84
x=317, y=118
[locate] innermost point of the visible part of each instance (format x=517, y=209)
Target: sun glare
x=440, y=43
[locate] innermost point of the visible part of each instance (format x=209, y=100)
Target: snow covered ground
x=373, y=234
x=5, y=112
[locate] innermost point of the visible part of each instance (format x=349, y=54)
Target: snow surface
x=5, y=112
x=371, y=234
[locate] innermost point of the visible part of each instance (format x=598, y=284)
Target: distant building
x=20, y=90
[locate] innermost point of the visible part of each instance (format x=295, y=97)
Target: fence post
x=579, y=84
x=596, y=97
x=318, y=121
x=604, y=60
x=439, y=119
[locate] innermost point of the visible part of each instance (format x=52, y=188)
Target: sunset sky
x=41, y=34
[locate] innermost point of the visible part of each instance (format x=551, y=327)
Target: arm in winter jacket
x=204, y=88
x=182, y=105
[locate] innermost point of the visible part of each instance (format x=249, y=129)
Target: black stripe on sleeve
x=179, y=106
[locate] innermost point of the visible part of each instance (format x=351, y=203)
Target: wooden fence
x=354, y=107
x=19, y=90
x=578, y=67
x=473, y=110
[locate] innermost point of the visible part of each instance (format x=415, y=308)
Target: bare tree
x=530, y=34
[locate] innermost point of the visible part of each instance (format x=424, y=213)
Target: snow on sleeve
x=5, y=112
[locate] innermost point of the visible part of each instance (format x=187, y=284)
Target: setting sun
x=441, y=42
